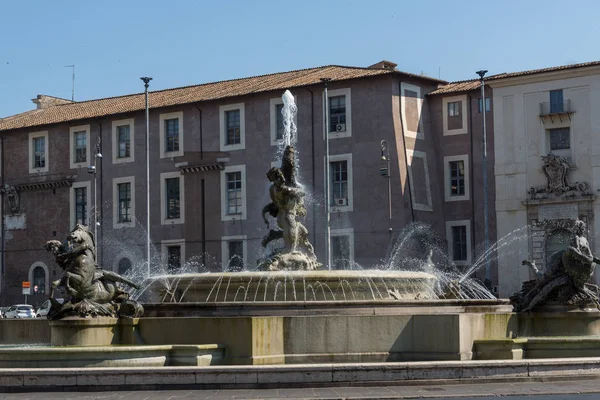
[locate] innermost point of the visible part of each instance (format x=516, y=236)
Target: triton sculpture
x=91, y=291
x=287, y=206
x=565, y=281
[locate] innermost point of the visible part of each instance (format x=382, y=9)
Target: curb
x=301, y=375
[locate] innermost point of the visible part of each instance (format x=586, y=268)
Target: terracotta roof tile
x=190, y=94
x=457, y=87
x=542, y=70
x=468, y=85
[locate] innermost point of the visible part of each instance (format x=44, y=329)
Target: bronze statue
x=287, y=206
x=566, y=281
x=92, y=291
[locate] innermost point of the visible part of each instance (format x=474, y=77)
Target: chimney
x=43, y=101
x=384, y=65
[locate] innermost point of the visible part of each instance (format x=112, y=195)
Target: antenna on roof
x=73, y=85
x=439, y=72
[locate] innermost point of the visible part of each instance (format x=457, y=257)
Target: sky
x=185, y=42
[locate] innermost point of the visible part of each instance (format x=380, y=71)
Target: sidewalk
x=581, y=390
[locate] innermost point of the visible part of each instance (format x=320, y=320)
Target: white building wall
x=520, y=141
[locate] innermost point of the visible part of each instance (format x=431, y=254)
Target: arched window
x=39, y=280
x=557, y=240
x=124, y=266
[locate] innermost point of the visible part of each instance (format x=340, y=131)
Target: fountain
x=291, y=310
x=288, y=309
x=291, y=272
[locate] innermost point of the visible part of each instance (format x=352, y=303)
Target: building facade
x=458, y=127
x=547, y=145
x=210, y=148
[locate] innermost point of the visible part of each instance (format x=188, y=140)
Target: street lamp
x=488, y=272
x=146, y=81
x=92, y=169
x=385, y=156
x=327, y=177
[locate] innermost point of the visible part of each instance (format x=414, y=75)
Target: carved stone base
x=87, y=308
x=294, y=261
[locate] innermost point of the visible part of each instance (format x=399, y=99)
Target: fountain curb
x=300, y=375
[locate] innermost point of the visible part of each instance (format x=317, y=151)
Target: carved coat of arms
x=556, y=169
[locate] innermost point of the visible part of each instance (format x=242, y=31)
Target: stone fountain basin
x=290, y=286
x=111, y=356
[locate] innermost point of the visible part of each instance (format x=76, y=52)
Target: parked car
x=43, y=310
x=20, y=311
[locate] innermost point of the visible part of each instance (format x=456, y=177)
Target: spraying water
x=290, y=131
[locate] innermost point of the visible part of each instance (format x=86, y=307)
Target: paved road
x=569, y=390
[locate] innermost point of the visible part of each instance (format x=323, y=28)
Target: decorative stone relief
x=556, y=169
x=12, y=197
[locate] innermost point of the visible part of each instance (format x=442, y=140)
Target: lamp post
x=486, y=245
x=92, y=169
x=146, y=81
x=385, y=156
x=327, y=177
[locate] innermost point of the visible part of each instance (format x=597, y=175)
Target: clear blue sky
x=177, y=42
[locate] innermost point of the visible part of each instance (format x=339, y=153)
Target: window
x=234, y=192
x=342, y=248
x=233, y=252
x=339, y=124
x=124, y=266
x=337, y=114
x=458, y=235
x=556, y=101
x=173, y=199
x=557, y=240
x=340, y=251
x=339, y=183
x=277, y=126
x=487, y=104
x=39, y=152
x=124, y=202
x=80, y=146
x=171, y=134
x=459, y=243
x=233, y=129
x=173, y=258
x=79, y=211
x=457, y=178
x=39, y=280
x=124, y=191
x=38, y=275
x=173, y=254
x=454, y=113
x=279, y=121
x=81, y=206
x=559, y=139
x=236, y=255
x=232, y=126
x=454, y=109
x=123, y=139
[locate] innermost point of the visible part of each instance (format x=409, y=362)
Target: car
x=43, y=310
x=20, y=311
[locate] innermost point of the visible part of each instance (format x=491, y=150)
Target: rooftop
x=472, y=84
x=191, y=94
